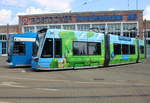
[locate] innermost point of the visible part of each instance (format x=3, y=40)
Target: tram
x=67, y=49
x=20, y=49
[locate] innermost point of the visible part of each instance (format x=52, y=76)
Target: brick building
x=6, y=30
x=147, y=28
x=147, y=35
x=126, y=23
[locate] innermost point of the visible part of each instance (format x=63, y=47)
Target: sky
x=10, y=9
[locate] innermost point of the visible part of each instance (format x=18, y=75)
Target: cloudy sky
x=10, y=9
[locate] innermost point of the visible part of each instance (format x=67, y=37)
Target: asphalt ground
x=117, y=84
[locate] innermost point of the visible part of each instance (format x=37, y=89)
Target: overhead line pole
x=136, y=4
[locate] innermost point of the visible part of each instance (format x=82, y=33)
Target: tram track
x=75, y=97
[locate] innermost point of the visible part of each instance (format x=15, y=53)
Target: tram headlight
x=36, y=59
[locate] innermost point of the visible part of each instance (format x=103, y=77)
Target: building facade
x=126, y=23
x=147, y=36
x=5, y=31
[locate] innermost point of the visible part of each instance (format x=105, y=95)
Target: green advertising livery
x=67, y=49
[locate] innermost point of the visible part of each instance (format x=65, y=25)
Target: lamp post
x=136, y=4
x=145, y=36
x=7, y=38
x=7, y=31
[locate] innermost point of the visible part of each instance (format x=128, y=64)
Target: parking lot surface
x=117, y=84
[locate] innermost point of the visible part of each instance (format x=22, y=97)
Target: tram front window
x=10, y=45
x=39, y=40
x=47, y=51
x=51, y=50
x=19, y=48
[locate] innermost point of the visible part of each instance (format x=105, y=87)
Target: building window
x=4, y=48
x=148, y=34
x=133, y=34
x=130, y=29
x=29, y=29
x=3, y=37
x=55, y=26
x=19, y=48
x=114, y=33
x=130, y=34
x=100, y=27
x=40, y=27
x=126, y=34
x=114, y=28
x=83, y=27
x=69, y=27
x=129, y=26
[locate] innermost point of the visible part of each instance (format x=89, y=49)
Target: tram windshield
x=52, y=48
x=36, y=44
x=10, y=45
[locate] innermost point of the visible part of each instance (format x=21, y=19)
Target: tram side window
x=47, y=51
x=94, y=48
x=86, y=48
x=142, y=49
x=125, y=49
x=117, y=49
x=79, y=48
x=132, y=49
x=58, y=48
x=19, y=48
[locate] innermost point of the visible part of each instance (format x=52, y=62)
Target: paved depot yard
x=119, y=84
